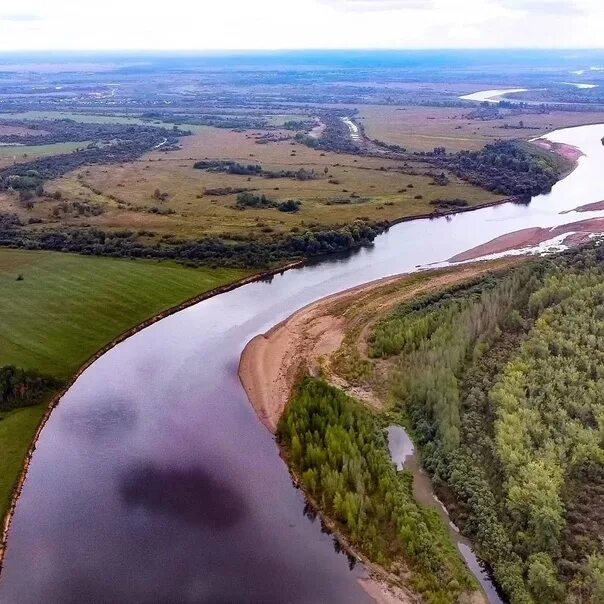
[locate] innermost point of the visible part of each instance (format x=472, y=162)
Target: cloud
x=544, y=7
x=379, y=5
x=19, y=17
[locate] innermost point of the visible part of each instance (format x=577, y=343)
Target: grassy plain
x=32, y=151
x=423, y=128
x=360, y=187
x=66, y=308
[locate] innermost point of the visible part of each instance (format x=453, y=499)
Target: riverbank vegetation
x=105, y=199
x=339, y=451
x=500, y=381
x=56, y=311
x=509, y=168
x=162, y=168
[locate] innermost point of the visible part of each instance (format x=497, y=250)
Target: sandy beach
x=271, y=363
x=578, y=232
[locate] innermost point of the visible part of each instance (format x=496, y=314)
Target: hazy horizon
x=235, y=25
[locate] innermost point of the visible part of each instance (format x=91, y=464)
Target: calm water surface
x=153, y=481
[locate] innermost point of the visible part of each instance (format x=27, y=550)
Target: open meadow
x=459, y=128
x=344, y=188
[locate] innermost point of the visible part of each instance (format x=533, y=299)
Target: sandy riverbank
x=567, y=151
x=577, y=233
x=271, y=363
x=588, y=207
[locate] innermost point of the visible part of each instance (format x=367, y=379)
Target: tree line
x=254, y=252
x=23, y=388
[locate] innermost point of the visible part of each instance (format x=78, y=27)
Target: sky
x=298, y=24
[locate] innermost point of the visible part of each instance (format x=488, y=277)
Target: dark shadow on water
x=193, y=495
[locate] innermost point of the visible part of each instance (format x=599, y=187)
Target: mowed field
x=348, y=187
x=423, y=128
x=65, y=308
x=33, y=151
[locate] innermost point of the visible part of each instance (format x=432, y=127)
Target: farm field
x=67, y=306
x=30, y=151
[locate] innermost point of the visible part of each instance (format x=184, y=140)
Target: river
x=154, y=482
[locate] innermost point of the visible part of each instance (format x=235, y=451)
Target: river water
x=153, y=481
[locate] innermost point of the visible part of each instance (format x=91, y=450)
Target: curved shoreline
x=576, y=233
x=16, y=492
x=54, y=401
x=272, y=363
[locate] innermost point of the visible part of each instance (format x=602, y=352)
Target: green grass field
x=66, y=308
x=16, y=432
x=90, y=118
x=41, y=150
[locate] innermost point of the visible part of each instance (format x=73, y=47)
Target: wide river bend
x=154, y=482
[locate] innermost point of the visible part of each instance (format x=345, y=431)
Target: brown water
x=153, y=481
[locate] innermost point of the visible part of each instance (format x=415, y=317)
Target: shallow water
x=153, y=480
x=401, y=447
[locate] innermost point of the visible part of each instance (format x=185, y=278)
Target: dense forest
x=338, y=449
x=507, y=168
x=502, y=382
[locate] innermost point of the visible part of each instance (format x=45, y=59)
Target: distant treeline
x=260, y=252
x=67, y=130
x=233, y=167
x=234, y=122
x=30, y=174
x=505, y=167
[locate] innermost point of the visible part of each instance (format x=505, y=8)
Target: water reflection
x=193, y=495
x=94, y=521
x=106, y=420
x=400, y=446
